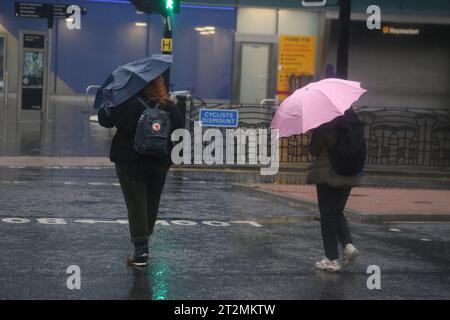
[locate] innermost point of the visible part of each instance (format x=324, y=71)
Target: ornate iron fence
x=394, y=136
x=407, y=136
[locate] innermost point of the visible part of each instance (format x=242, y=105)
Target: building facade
x=239, y=60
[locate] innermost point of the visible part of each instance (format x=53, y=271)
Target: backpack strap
x=145, y=103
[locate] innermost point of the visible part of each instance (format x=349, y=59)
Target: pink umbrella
x=315, y=104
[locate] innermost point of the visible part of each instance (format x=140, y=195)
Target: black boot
x=140, y=256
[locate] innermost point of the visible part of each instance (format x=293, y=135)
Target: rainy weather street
x=211, y=242
x=225, y=158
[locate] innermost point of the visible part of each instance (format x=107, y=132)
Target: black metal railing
x=394, y=136
x=407, y=136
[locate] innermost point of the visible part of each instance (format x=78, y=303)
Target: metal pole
x=5, y=91
x=4, y=112
x=47, y=76
x=345, y=8
x=167, y=35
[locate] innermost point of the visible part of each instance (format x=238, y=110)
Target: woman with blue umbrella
x=134, y=99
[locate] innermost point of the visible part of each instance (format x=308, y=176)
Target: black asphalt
x=212, y=242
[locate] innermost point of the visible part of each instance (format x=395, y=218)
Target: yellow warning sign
x=296, y=56
x=166, y=45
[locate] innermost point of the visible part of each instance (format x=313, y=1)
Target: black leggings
x=142, y=185
x=333, y=224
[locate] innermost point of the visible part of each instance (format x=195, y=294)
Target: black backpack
x=152, y=135
x=348, y=154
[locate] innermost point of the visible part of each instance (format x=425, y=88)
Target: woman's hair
x=156, y=90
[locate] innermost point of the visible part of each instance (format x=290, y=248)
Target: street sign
x=166, y=45
x=44, y=10
x=32, y=10
x=219, y=118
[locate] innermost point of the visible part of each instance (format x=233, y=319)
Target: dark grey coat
x=321, y=172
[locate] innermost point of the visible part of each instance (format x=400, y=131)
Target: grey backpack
x=152, y=135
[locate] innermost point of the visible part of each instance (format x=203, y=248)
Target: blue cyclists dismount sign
x=219, y=118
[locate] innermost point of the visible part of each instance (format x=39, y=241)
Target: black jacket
x=125, y=118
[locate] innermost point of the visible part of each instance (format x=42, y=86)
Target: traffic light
x=163, y=7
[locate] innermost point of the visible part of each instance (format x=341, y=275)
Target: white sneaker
x=328, y=265
x=350, y=255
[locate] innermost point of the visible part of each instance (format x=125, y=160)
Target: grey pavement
x=211, y=242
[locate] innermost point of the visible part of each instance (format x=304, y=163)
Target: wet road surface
x=211, y=242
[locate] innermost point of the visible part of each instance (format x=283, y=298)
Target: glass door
x=255, y=72
x=254, y=67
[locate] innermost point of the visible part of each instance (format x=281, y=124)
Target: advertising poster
x=33, y=71
x=296, y=55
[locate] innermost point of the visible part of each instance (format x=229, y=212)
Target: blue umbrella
x=127, y=80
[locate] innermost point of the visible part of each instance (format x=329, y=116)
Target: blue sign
x=219, y=118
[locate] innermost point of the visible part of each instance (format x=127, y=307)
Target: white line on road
x=166, y=222
x=97, y=183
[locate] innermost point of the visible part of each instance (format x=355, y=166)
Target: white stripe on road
x=90, y=221
x=69, y=183
x=176, y=222
x=98, y=183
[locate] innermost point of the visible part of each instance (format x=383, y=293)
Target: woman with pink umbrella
x=337, y=142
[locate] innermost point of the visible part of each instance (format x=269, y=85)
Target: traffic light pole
x=46, y=108
x=345, y=8
x=166, y=47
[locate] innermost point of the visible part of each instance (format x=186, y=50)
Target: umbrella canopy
x=127, y=80
x=315, y=104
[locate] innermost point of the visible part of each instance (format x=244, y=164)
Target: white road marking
x=425, y=239
x=395, y=230
x=184, y=223
x=85, y=221
x=97, y=183
x=90, y=221
x=252, y=223
x=51, y=221
x=70, y=183
x=15, y=220
x=62, y=221
x=216, y=223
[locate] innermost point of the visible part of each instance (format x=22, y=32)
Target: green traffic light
x=169, y=5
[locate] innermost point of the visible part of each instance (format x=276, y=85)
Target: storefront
x=404, y=64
